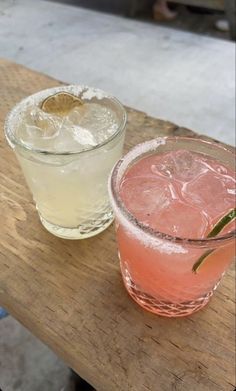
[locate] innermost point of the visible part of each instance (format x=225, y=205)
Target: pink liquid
x=182, y=194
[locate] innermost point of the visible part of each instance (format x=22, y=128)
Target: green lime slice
x=222, y=223
x=231, y=215
x=201, y=260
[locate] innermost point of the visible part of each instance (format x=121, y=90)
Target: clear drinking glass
x=70, y=187
x=157, y=268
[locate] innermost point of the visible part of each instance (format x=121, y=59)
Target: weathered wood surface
x=70, y=294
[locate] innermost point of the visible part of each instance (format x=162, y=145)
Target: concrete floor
x=171, y=74
x=26, y=364
x=183, y=77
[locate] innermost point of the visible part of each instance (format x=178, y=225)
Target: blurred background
x=173, y=60
x=200, y=16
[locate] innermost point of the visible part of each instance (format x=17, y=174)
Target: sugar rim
x=140, y=230
x=83, y=91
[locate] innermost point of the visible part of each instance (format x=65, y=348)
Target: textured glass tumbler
x=70, y=188
x=157, y=268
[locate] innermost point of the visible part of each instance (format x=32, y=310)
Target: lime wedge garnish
x=218, y=227
x=201, y=260
x=222, y=223
x=60, y=103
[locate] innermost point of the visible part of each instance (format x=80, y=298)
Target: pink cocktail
x=167, y=195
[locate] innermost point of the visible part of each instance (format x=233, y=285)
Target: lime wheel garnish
x=60, y=103
x=218, y=227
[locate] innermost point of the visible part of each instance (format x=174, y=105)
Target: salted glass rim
x=76, y=89
x=132, y=155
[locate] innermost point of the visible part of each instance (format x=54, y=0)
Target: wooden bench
x=70, y=295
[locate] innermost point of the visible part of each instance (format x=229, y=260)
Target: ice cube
x=49, y=124
x=37, y=128
x=179, y=165
x=29, y=134
x=76, y=134
x=211, y=191
x=143, y=195
x=180, y=219
x=84, y=126
x=83, y=136
x=76, y=114
x=99, y=120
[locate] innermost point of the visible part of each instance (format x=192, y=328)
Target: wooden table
x=70, y=295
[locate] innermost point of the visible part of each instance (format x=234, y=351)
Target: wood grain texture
x=70, y=294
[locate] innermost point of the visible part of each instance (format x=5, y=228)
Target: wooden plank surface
x=70, y=294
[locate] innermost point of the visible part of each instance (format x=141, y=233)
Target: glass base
x=165, y=308
x=83, y=231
